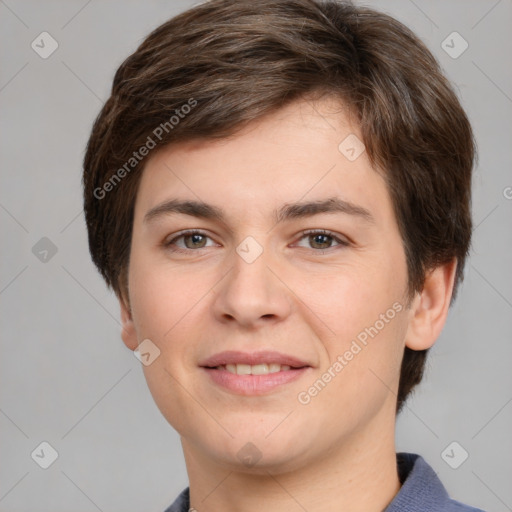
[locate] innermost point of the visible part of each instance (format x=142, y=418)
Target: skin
x=337, y=452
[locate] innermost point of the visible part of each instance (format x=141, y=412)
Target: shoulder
x=456, y=506
x=421, y=489
x=181, y=503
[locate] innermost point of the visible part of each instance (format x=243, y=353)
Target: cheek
x=351, y=298
x=363, y=322
x=361, y=368
x=162, y=297
x=164, y=305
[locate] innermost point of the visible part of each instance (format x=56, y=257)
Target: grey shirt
x=421, y=490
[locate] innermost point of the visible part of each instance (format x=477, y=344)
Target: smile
x=253, y=373
x=256, y=369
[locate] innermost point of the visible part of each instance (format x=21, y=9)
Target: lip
x=252, y=358
x=253, y=384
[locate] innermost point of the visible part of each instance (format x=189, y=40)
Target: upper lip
x=252, y=358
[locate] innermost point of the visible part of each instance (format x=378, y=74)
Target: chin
x=254, y=454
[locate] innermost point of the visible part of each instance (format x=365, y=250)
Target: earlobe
x=430, y=307
x=128, y=333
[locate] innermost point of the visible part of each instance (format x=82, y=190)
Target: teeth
x=256, y=369
x=243, y=369
x=260, y=369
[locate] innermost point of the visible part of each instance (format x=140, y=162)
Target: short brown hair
x=237, y=60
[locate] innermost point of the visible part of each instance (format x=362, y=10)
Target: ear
x=430, y=307
x=128, y=333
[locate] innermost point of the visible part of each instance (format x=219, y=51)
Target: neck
x=359, y=475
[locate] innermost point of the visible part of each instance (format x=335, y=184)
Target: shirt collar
x=421, y=490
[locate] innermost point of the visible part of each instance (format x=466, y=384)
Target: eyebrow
x=289, y=211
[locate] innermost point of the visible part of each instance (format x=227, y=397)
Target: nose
x=253, y=292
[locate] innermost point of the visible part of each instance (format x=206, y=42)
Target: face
x=313, y=294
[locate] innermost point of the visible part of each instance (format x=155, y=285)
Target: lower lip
x=254, y=384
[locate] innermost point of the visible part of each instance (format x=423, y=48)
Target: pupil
x=196, y=239
x=317, y=237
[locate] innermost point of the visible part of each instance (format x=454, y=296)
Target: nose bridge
x=251, y=291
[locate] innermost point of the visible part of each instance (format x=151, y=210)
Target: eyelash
x=341, y=242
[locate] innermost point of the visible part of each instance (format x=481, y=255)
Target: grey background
x=65, y=375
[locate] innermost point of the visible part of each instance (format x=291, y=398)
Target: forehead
x=303, y=152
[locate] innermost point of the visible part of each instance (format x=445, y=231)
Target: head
x=247, y=106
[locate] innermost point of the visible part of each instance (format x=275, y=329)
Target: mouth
x=253, y=373
x=256, y=369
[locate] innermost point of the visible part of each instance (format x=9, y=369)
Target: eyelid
x=175, y=236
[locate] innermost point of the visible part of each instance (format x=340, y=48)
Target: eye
x=319, y=239
x=193, y=240
x=322, y=239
